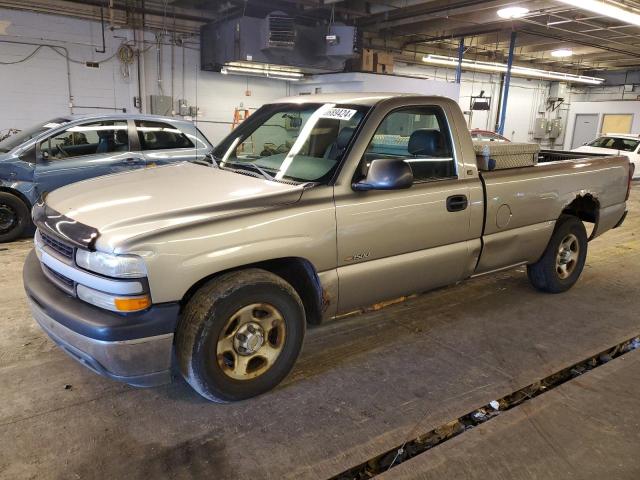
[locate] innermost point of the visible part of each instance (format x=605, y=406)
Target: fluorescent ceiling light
x=562, y=52
x=512, y=12
x=515, y=70
x=606, y=10
x=259, y=71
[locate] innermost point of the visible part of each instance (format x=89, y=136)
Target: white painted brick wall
x=36, y=90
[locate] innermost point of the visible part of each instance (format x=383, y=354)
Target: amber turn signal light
x=132, y=304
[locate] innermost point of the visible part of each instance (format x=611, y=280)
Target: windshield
x=616, y=143
x=19, y=138
x=301, y=143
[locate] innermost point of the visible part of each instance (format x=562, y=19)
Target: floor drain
x=401, y=453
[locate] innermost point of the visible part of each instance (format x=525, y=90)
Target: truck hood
x=145, y=201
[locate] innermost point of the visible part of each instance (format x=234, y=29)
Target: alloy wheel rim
x=8, y=218
x=251, y=341
x=567, y=256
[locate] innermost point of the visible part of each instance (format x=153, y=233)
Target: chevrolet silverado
x=316, y=206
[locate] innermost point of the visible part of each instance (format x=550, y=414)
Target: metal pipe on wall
x=66, y=56
x=460, y=55
x=507, y=81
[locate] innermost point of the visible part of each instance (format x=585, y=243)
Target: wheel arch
x=298, y=272
x=17, y=193
x=587, y=208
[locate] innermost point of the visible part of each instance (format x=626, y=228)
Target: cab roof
x=367, y=99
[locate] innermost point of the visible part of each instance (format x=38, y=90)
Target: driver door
x=85, y=151
x=398, y=242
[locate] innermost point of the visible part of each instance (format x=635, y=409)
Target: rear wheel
x=14, y=217
x=240, y=335
x=562, y=262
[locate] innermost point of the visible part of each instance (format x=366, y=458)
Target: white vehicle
x=623, y=143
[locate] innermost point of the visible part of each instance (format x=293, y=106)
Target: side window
x=87, y=139
x=160, y=136
x=419, y=136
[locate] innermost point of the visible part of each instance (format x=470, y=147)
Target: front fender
x=17, y=177
x=27, y=191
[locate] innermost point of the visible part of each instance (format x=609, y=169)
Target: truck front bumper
x=136, y=349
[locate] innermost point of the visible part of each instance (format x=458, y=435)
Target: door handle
x=457, y=203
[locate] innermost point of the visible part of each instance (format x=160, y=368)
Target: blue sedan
x=69, y=149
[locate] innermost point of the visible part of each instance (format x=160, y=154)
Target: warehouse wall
x=38, y=88
x=525, y=96
x=601, y=108
x=370, y=82
x=42, y=87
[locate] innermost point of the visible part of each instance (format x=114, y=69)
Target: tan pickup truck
x=315, y=206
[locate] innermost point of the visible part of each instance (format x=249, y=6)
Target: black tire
x=208, y=312
x=545, y=274
x=14, y=217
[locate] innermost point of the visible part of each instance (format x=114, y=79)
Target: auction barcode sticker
x=339, y=113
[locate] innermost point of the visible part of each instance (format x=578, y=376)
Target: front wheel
x=563, y=260
x=14, y=217
x=240, y=335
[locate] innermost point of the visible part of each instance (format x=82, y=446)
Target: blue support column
x=460, y=55
x=507, y=81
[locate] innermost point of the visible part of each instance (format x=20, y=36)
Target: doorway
x=585, y=129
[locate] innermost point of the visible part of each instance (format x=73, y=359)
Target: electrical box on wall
x=160, y=104
x=557, y=92
x=540, y=128
x=183, y=108
x=555, y=128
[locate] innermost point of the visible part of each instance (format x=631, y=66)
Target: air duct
x=274, y=43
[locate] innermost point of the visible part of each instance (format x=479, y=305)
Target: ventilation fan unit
x=276, y=42
x=279, y=32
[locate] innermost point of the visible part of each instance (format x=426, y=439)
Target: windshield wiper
x=258, y=169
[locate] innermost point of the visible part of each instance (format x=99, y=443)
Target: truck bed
x=556, y=155
x=523, y=204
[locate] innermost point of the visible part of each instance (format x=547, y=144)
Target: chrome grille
x=59, y=246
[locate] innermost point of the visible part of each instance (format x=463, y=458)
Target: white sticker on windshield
x=339, y=113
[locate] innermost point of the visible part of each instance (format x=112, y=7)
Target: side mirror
x=386, y=174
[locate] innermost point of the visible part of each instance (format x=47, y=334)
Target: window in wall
x=87, y=139
x=419, y=136
x=160, y=136
x=614, y=123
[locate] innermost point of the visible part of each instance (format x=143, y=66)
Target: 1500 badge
x=357, y=257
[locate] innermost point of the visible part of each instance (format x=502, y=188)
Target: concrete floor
x=362, y=386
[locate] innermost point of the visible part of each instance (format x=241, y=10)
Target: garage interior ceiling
x=411, y=28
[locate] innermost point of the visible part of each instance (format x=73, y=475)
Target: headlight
x=118, y=266
x=113, y=302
